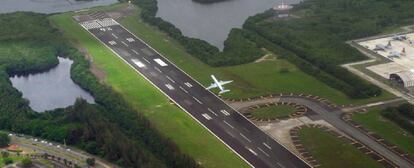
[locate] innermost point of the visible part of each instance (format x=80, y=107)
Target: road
x=232, y=128
x=333, y=117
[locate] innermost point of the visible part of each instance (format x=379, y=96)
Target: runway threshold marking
x=261, y=150
x=160, y=62
x=188, y=84
x=245, y=137
x=183, y=89
x=212, y=111
x=138, y=63
x=170, y=79
x=197, y=100
x=206, y=116
x=228, y=124
x=169, y=86
x=225, y=112
x=267, y=146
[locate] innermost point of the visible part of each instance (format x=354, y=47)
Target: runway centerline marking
x=228, y=124
x=245, y=137
x=206, y=116
x=135, y=51
x=146, y=60
x=267, y=146
x=260, y=149
x=124, y=43
x=212, y=111
x=156, y=68
x=188, y=84
x=251, y=150
x=197, y=100
x=183, y=89
x=170, y=79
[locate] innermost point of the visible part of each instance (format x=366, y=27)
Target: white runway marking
x=112, y=42
x=114, y=35
x=231, y=134
x=251, y=150
x=228, y=124
x=170, y=79
x=197, y=100
x=206, y=116
x=169, y=86
x=90, y=25
x=267, y=146
x=130, y=40
x=260, y=149
x=212, y=111
x=188, y=84
x=124, y=43
x=146, y=61
x=280, y=165
x=225, y=112
x=135, y=52
x=159, y=61
x=138, y=63
x=156, y=68
x=245, y=137
x=183, y=89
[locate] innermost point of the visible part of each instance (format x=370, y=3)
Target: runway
x=233, y=129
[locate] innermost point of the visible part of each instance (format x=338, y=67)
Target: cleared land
x=333, y=152
x=253, y=79
x=273, y=112
x=390, y=131
x=191, y=137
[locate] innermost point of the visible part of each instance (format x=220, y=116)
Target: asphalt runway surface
x=248, y=141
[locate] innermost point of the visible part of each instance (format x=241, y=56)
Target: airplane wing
x=224, y=82
x=213, y=85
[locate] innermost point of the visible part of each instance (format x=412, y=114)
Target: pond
x=49, y=6
x=52, y=89
x=212, y=22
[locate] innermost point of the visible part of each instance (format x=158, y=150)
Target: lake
x=52, y=89
x=49, y=6
x=212, y=22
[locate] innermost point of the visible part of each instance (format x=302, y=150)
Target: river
x=212, y=22
x=49, y=6
x=52, y=89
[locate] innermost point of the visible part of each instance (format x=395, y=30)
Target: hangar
x=405, y=78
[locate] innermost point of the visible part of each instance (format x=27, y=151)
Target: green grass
x=191, y=137
x=253, y=79
x=390, y=131
x=14, y=158
x=333, y=152
x=273, y=112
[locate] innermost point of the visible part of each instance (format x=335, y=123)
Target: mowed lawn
x=332, y=152
x=253, y=79
x=387, y=129
x=191, y=137
x=273, y=112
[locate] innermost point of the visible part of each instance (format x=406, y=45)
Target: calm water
x=52, y=89
x=212, y=22
x=49, y=6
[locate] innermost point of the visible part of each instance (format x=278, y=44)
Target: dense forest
x=402, y=115
x=110, y=128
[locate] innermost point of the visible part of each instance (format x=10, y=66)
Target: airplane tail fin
x=224, y=91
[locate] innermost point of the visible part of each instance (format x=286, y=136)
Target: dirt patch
x=121, y=12
x=267, y=57
x=96, y=71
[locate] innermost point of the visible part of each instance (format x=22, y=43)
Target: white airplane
x=219, y=84
x=382, y=47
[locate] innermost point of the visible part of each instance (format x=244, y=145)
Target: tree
x=7, y=161
x=90, y=161
x=4, y=154
x=4, y=140
x=26, y=162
